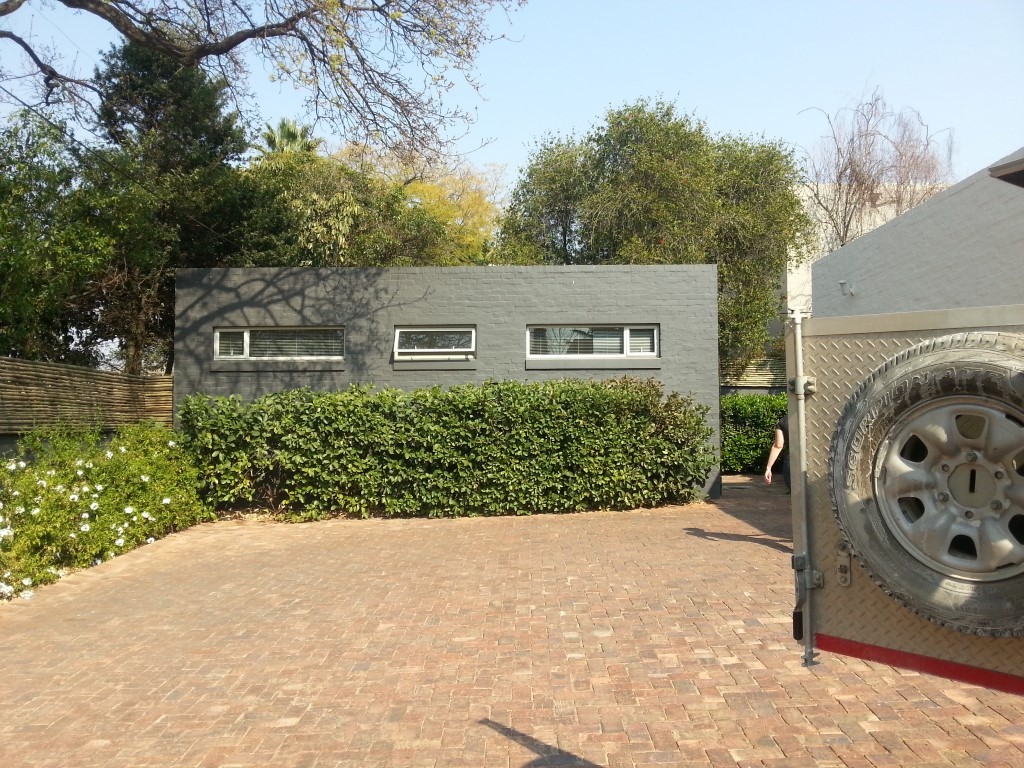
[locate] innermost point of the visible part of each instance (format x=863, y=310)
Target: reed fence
x=36, y=394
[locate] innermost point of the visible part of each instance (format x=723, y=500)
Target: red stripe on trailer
x=951, y=670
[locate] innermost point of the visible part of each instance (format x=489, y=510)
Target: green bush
x=748, y=427
x=72, y=498
x=491, y=449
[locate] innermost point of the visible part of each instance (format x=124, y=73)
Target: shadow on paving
x=762, y=506
x=549, y=756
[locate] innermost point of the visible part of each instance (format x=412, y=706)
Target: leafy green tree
x=163, y=191
x=289, y=136
x=48, y=249
x=328, y=213
x=650, y=186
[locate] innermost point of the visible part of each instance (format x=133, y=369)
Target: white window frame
x=245, y=344
x=625, y=354
x=438, y=355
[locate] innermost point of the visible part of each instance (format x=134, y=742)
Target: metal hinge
x=811, y=579
x=807, y=384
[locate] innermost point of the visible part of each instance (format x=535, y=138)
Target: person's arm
x=777, y=445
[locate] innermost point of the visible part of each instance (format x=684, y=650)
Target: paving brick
x=650, y=637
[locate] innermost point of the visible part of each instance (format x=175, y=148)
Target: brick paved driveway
x=656, y=637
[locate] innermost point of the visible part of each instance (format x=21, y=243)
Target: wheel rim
x=950, y=484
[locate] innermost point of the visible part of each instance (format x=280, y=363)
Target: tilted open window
x=439, y=344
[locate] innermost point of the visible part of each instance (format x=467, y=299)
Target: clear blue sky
x=749, y=67
x=756, y=68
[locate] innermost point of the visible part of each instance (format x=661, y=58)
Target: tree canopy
x=376, y=70
x=651, y=186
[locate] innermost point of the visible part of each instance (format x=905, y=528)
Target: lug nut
x=969, y=514
x=998, y=474
x=945, y=467
x=996, y=505
x=943, y=497
x=972, y=457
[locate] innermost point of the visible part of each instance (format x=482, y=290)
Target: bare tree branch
x=872, y=165
x=376, y=70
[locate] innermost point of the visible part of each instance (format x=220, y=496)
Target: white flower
x=98, y=488
x=135, y=518
x=85, y=489
x=171, y=443
x=150, y=540
x=6, y=590
x=35, y=511
x=129, y=510
x=21, y=464
x=73, y=535
x=123, y=449
x=88, y=465
x=60, y=489
x=42, y=483
x=15, y=493
x=19, y=510
x=52, y=472
x=94, y=506
x=166, y=500
x=97, y=561
x=118, y=542
x=145, y=478
x=147, y=515
x=78, y=463
x=84, y=527
x=27, y=581
x=5, y=532
x=109, y=455
x=26, y=595
x=73, y=497
x=79, y=472
x=85, y=515
x=12, y=466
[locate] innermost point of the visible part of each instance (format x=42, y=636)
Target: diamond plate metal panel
x=862, y=611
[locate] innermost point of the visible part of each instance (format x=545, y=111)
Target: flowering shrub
x=73, y=499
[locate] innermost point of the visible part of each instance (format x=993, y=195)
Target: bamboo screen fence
x=35, y=394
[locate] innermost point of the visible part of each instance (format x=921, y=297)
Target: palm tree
x=289, y=136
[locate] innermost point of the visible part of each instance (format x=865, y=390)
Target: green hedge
x=748, y=427
x=491, y=449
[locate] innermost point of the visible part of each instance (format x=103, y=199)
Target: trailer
x=907, y=448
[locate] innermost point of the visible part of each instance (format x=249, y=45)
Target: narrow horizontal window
x=592, y=341
x=441, y=344
x=279, y=344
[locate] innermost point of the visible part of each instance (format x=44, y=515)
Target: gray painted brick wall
x=962, y=248
x=500, y=301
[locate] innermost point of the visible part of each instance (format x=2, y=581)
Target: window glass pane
x=436, y=340
x=297, y=342
x=576, y=341
x=608, y=341
x=641, y=341
x=231, y=343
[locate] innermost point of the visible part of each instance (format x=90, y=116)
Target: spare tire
x=926, y=472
